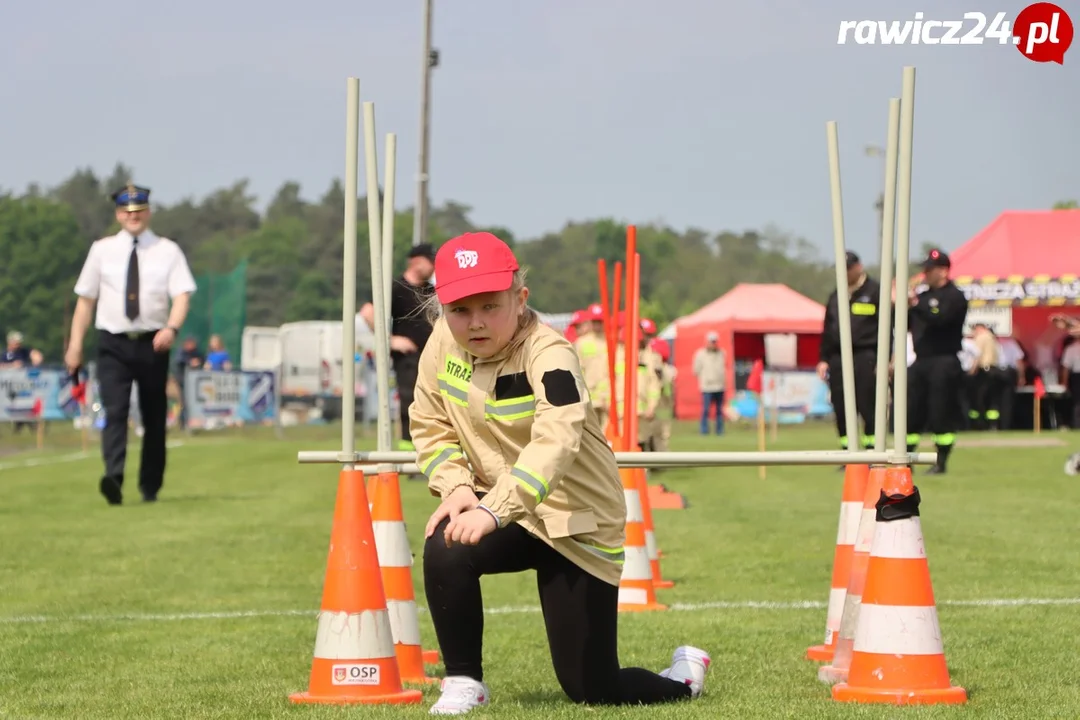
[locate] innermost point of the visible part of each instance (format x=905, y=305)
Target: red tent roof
x=749, y=307
x=1022, y=242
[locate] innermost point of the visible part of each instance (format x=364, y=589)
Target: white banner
x=214, y=397
x=998, y=319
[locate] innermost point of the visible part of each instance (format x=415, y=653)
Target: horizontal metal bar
x=669, y=459
x=400, y=469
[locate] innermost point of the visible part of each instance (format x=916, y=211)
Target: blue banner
x=30, y=394
x=216, y=398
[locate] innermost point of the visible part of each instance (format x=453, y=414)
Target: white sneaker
x=460, y=695
x=688, y=665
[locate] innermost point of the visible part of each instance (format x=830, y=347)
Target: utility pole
x=430, y=61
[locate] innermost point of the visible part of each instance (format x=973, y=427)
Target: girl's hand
x=462, y=499
x=469, y=527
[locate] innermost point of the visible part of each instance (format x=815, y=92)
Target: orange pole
x=630, y=339
x=633, y=327
x=611, y=332
x=601, y=271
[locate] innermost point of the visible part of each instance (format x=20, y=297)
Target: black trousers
x=865, y=362
x=580, y=612
x=406, y=368
x=1007, y=396
x=934, y=387
x=121, y=360
x=1074, y=390
x=985, y=397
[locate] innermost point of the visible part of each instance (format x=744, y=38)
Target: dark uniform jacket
x=864, y=321
x=936, y=321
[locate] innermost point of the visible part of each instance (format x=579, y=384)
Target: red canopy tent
x=1028, y=261
x=742, y=318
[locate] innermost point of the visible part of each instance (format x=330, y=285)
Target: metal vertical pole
x=885, y=305
x=843, y=301
x=385, y=432
x=382, y=340
x=348, y=280
x=903, y=255
x=420, y=221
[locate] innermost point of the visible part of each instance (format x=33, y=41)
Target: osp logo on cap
x=466, y=258
x=471, y=264
x=355, y=674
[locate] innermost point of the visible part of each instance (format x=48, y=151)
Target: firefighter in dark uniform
x=936, y=320
x=863, y=293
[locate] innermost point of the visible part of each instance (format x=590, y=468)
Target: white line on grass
x=70, y=457
x=505, y=610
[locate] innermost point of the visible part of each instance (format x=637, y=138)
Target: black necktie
x=131, y=304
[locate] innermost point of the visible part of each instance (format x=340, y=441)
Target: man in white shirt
x=131, y=277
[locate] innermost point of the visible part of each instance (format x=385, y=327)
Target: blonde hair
x=433, y=309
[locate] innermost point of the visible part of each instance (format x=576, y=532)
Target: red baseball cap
x=473, y=263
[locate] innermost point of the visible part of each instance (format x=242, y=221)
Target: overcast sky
x=689, y=112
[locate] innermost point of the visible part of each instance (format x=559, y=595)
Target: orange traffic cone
x=650, y=533
x=354, y=659
x=851, y=507
x=660, y=498
x=899, y=657
x=395, y=561
x=430, y=657
x=636, y=589
x=837, y=670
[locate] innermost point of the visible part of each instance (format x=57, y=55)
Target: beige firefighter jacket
x=664, y=372
x=591, y=349
x=648, y=384
x=519, y=426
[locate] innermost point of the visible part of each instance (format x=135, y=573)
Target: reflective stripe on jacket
x=520, y=427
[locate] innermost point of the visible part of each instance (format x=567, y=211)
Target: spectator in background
x=188, y=358
x=1070, y=376
x=710, y=369
x=1011, y=368
x=409, y=328
x=217, y=357
x=984, y=412
x=16, y=355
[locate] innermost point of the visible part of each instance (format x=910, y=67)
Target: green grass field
x=203, y=605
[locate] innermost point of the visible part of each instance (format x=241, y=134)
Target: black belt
x=134, y=334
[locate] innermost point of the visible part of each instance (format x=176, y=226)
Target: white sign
x=998, y=319
x=781, y=350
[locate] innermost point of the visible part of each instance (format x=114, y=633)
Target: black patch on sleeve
x=561, y=388
x=514, y=385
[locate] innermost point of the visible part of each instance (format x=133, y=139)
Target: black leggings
x=580, y=612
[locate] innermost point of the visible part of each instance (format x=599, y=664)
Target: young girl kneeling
x=502, y=393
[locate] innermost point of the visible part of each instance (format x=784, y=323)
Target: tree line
x=294, y=256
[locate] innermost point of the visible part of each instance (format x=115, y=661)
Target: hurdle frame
x=381, y=259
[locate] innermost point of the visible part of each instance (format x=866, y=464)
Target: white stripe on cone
x=848, y=530
x=864, y=539
x=899, y=540
x=834, y=613
x=404, y=621
x=898, y=630
x=633, y=507
x=636, y=564
x=392, y=543
x=650, y=545
x=364, y=635
x=633, y=596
